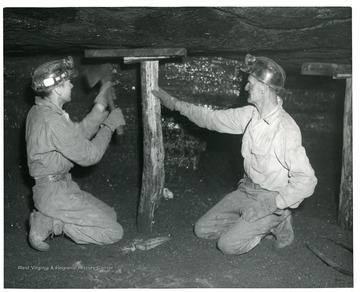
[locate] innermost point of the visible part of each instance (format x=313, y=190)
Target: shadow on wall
x=16, y=107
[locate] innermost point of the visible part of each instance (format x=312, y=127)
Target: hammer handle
x=120, y=130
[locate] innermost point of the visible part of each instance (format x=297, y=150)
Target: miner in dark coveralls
x=54, y=144
x=278, y=175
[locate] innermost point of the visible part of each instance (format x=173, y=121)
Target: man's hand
x=166, y=99
x=106, y=92
x=265, y=208
x=114, y=120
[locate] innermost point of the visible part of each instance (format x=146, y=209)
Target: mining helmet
x=265, y=70
x=52, y=74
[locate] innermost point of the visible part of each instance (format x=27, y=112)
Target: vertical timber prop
x=345, y=216
x=340, y=71
x=153, y=176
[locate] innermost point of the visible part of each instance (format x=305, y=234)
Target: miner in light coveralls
x=54, y=144
x=278, y=175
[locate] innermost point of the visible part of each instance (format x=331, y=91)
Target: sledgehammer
x=101, y=74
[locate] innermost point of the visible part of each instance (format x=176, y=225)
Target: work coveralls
x=275, y=164
x=54, y=143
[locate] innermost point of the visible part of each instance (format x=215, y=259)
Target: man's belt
x=53, y=177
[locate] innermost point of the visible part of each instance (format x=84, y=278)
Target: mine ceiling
x=290, y=35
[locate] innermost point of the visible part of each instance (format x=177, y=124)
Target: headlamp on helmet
x=265, y=70
x=52, y=74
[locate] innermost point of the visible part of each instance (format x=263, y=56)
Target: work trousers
x=224, y=222
x=85, y=218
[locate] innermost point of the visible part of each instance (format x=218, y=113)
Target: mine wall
x=316, y=104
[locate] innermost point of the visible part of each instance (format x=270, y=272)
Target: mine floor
x=184, y=261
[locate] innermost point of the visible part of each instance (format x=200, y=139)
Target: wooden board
x=327, y=69
x=143, y=52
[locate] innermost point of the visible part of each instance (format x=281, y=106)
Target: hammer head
x=100, y=73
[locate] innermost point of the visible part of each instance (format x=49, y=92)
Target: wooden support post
x=153, y=175
x=341, y=71
x=345, y=214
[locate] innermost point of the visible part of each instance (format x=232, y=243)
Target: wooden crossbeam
x=129, y=60
x=152, y=53
x=338, y=71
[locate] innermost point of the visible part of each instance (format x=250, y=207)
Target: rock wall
x=315, y=103
x=290, y=35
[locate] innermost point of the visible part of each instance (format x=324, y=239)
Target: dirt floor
x=184, y=261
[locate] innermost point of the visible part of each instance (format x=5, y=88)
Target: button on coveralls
x=54, y=143
x=275, y=164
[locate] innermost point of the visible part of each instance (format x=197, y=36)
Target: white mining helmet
x=52, y=74
x=265, y=70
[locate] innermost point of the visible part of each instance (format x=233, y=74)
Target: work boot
x=57, y=227
x=284, y=233
x=40, y=228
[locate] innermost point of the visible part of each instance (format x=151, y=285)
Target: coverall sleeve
x=70, y=142
x=230, y=121
x=90, y=124
x=302, y=180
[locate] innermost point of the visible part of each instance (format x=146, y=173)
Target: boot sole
x=36, y=243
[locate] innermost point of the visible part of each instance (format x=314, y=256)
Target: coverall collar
x=273, y=114
x=42, y=102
